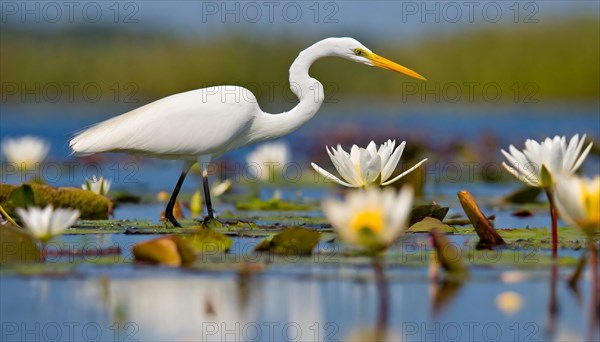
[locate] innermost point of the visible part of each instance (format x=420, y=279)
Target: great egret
x=202, y=124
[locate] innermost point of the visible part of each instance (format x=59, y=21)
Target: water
x=435, y=127
x=124, y=303
x=304, y=299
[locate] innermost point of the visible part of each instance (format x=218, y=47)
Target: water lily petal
x=398, y=214
x=342, y=162
x=392, y=162
x=385, y=151
x=372, y=148
x=339, y=216
x=373, y=169
x=535, y=182
x=581, y=158
x=329, y=176
x=61, y=220
x=572, y=151
x=568, y=198
x=405, y=172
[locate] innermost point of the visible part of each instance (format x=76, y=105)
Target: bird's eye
x=358, y=52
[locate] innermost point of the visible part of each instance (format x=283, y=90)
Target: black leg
x=207, y=195
x=169, y=211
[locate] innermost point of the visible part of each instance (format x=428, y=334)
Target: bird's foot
x=211, y=222
x=173, y=221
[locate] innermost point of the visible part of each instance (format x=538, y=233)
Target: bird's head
x=353, y=50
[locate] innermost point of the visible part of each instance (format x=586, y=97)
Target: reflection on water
x=134, y=302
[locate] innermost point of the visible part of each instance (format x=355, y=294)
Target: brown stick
x=488, y=236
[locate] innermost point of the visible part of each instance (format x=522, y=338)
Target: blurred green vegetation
x=558, y=61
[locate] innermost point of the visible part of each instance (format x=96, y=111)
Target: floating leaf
x=91, y=206
x=209, y=241
x=271, y=204
x=212, y=223
x=22, y=197
x=488, y=236
x=17, y=246
x=163, y=250
x=240, y=225
x=430, y=210
x=185, y=249
x=429, y=223
x=292, y=241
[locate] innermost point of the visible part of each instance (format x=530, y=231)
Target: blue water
x=435, y=127
x=300, y=303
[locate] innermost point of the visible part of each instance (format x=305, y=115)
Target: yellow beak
x=387, y=64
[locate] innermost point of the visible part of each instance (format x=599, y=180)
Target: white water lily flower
x=267, y=159
x=363, y=166
x=25, y=151
x=558, y=158
x=578, y=202
x=373, y=218
x=46, y=223
x=99, y=186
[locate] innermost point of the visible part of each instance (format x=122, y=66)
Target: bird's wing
x=182, y=126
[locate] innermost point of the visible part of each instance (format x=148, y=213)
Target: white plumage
x=202, y=124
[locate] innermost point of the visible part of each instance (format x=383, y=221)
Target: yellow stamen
x=371, y=219
x=591, y=200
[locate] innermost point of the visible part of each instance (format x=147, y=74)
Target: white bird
x=202, y=124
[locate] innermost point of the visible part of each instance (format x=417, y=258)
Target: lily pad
x=91, y=206
x=208, y=241
x=22, y=197
x=163, y=250
x=430, y=210
x=17, y=246
x=271, y=204
x=292, y=241
x=429, y=223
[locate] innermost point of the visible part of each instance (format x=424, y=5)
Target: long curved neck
x=308, y=90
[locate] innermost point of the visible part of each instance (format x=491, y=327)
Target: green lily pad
x=208, y=241
x=291, y=241
x=271, y=204
x=429, y=223
x=430, y=210
x=17, y=246
x=90, y=205
x=22, y=197
x=163, y=250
